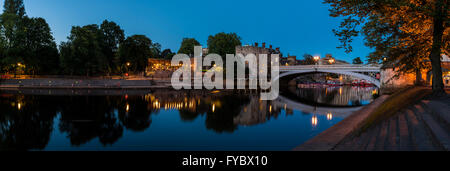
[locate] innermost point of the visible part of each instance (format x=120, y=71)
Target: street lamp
x=128, y=64
x=332, y=61
x=316, y=59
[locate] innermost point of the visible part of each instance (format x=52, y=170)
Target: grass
x=394, y=104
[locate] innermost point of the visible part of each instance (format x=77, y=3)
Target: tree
x=167, y=54
x=92, y=49
x=187, y=46
x=68, y=62
x=41, y=55
x=112, y=36
x=82, y=54
x=156, y=50
x=135, y=50
x=27, y=41
x=12, y=35
x=3, y=49
x=357, y=61
x=308, y=60
x=223, y=44
x=403, y=32
x=14, y=7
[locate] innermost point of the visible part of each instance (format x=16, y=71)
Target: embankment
x=56, y=83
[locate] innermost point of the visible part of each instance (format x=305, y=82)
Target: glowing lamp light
x=315, y=121
x=316, y=58
x=331, y=61
x=329, y=116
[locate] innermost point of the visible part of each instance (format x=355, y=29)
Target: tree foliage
x=135, y=50
x=15, y=7
x=224, y=43
x=187, y=46
x=357, y=61
x=167, y=54
x=307, y=60
x=27, y=41
x=82, y=54
x=156, y=50
x=112, y=36
x=404, y=33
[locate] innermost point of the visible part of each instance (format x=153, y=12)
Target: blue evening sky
x=296, y=26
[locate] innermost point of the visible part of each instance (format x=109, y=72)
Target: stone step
x=419, y=137
x=436, y=129
x=371, y=146
x=349, y=144
x=392, y=138
x=425, y=134
x=382, y=136
x=365, y=138
x=404, y=133
x=441, y=111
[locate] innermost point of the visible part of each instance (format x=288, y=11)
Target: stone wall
x=390, y=81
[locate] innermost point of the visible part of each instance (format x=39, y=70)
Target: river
x=169, y=120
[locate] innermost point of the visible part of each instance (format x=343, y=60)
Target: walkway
x=421, y=127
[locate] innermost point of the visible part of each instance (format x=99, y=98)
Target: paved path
x=424, y=126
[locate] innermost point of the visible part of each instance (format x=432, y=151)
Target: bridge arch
x=284, y=102
x=354, y=74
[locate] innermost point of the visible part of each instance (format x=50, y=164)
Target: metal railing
x=332, y=67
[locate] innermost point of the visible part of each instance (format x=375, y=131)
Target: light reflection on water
x=166, y=120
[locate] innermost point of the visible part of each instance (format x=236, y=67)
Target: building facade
x=389, y=74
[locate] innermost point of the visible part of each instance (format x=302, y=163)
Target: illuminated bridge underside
x=282, y=102
x=351, y=70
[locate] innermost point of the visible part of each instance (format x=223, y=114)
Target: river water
x=169, y=120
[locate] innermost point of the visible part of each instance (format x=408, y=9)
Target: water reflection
x=314, y=121
x=28, y=121
x=333, y=96
x=329, y=116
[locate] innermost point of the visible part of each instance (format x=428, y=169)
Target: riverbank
x=383, y=125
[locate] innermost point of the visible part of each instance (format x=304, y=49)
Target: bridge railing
x=336, y=67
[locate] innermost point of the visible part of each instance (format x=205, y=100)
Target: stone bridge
x=350, y=70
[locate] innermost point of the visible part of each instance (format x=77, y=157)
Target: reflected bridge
x=283, y=102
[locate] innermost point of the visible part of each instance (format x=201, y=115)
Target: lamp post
x=17, y=68
x=316, y=59
x=128, y=64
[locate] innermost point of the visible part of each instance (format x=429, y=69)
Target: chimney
x=270, y=46
x=264, y=45
x=278, y=49
x=256, y=44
